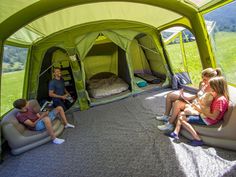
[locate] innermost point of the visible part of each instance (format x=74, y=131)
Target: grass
x=193, y=63
x=12, y=86
x=226, y=54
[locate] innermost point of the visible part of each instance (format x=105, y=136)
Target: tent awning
x=25, y=22
x=89, y=13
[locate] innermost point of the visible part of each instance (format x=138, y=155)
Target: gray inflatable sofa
x=219, y=135
x=21, y=139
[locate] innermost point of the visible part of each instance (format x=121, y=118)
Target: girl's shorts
x=196, y=119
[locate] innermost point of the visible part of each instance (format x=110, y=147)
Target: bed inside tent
x=146, y=63
x=111, y=72
x=106, y=71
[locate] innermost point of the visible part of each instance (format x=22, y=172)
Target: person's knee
x=176, y=103
x=179, y=104
x=181, y=120
x=168, y=96
x=173, y=96
x=182, y=113
x=59, y=108
x=186, y=111
x=178, y=122
x=46, y=120
x=181, y=116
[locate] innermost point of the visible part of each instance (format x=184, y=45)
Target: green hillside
x=11, y=83
x=226, y=54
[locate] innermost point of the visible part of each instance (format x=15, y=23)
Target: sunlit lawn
x=193, y=63
x=226, y=54
x=12, y=84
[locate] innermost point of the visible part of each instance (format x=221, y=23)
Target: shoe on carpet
x=58, y=141
x=166, y=126
x=69, y=126
x=162, y=118
x=173, y=135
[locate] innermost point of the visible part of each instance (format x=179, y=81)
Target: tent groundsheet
x=121, y=139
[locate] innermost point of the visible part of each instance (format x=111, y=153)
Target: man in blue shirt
x=57, y=89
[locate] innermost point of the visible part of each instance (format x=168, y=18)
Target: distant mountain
x=14, y=58
x=225, y=17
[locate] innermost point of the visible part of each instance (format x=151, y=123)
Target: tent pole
x=27, y=74
x=1, y=60
x=203, y=42
x=42, y=73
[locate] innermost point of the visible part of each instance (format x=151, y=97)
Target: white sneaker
x=162, y=118
x=166, y=126
x=58, y=141
x=69, y=126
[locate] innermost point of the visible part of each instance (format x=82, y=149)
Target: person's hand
x=64, y=97
x=193, y=105
x=196, y=107
x=38, y=115
x=181, y=92
x=45, y=113
x=186, y=99
x=205, y=86
x=202, y=106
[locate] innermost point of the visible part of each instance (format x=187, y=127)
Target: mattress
x=149, y=78
x=105, y=84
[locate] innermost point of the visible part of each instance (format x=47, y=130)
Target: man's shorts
x=196, y=119
x=40, y=124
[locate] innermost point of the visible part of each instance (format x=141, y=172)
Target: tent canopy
x=26, y=22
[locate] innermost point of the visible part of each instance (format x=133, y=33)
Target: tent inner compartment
x=107, y=62
x=55, y=57
x=148, y=68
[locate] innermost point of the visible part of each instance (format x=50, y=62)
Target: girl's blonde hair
x=210, y=72
x=219, y=85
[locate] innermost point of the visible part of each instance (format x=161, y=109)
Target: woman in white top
x=176, y=100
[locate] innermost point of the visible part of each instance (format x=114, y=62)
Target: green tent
x=76, y=32
x=117, y=51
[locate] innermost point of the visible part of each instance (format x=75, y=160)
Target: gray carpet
x=120, y=139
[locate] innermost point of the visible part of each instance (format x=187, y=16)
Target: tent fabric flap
x=77, y=74
x=122, y=38
x=101, y=58
x=84, y=43
x=139, y=61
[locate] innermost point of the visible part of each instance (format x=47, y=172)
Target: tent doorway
x=55, y=57
x=106, y=72
x=148, y=67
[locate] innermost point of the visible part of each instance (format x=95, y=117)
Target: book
x=184, y=99
x=47, y=106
